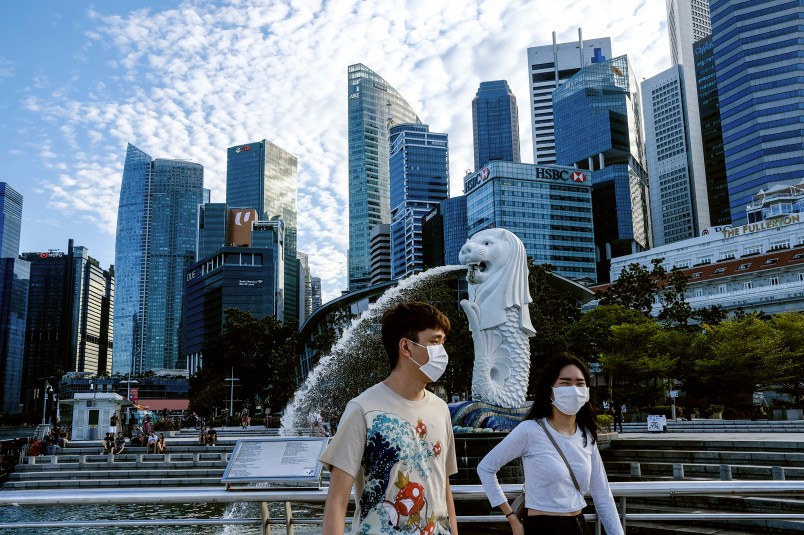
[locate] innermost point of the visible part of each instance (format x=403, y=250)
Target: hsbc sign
x=562, y=174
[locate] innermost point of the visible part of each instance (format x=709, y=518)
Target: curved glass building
x=373, y=106
x=156, y=239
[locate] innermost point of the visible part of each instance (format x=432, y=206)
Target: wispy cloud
x=201, y=77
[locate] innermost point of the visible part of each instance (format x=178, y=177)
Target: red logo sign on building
x=577, y=176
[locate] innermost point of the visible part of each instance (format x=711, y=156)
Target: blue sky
x=187, y=79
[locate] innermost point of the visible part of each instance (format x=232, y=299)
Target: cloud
x=190, y=81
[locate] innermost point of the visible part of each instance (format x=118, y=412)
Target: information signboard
x=275, y=459
x=657, y=423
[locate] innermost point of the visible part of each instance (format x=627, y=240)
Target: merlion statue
x=497, y=310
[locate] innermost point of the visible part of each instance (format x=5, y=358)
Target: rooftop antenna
x=580, y=45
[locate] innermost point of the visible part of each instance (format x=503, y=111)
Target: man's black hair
x=407, y=320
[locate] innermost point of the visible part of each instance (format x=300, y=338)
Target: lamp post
x=47, y=389
x=231, y=381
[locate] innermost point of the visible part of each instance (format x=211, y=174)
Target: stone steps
x=144, y=473
x=696, y=456
x=722, y=426
x=696, y=444
x=121, y=483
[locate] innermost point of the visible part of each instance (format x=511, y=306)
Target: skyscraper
x=380, y=248
x=70, y=307
x=672, y=200
x=262, y=176
x=549, y=208
x=315, y=285
x=598, y=116
x=495, y=123
x=759, y=55
x=687, y=22
x=10, y=221
x=156, y=240
x=444, y=232
x=14, y=284
x=717, y=186
x=373, y=104
x=419, y=167
x=549, y=66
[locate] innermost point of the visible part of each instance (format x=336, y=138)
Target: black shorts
x=556, y=525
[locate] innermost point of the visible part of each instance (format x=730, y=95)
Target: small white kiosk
x=92, y=414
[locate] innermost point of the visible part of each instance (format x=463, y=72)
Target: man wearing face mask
x=557, y=442
x=394, y=442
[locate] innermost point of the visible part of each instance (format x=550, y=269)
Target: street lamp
x=47, y=389
x=231, y=381
x=128, y=388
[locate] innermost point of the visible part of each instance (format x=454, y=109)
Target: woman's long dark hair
x=543, y=406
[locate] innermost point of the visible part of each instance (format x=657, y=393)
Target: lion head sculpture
x=498, y=276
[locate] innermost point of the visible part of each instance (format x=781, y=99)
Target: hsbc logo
x=244, y=148
x=577, y=176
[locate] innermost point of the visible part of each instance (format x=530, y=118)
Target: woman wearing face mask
x=554, y=491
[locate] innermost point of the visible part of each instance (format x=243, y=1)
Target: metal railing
x=462, y=493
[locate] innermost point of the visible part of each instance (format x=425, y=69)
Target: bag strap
x=572, y=474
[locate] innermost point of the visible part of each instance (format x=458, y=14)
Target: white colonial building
x=756, y=266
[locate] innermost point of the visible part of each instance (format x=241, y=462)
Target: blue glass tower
x=598, y=121
x=156, y=240
x=495, y=124
x=372, y=104
x=717, y=186
x=10, y=221
x=14, y=279
x=759, y=59
x=444, y=232
x=262, y=176
x=419, y=168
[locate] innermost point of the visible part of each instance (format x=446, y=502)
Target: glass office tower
x=373, y=105
x=495, y=123
x=717, y=186
x=444, y=232
x=14, y=281
x=419, y=167
x=759, y=59
x=262, y=176
x=549, y=208
x=549, y=66
x=10, y=221
x=156, y=240
x=598, y=119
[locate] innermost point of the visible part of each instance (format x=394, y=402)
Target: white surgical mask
x=437, y=364
x=570, y=399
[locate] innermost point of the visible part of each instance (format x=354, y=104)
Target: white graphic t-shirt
x=400, y=453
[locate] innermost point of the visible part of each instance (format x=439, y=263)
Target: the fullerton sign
x=768, y=224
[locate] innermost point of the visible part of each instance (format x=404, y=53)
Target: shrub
x=605, y=421
x=166, y=425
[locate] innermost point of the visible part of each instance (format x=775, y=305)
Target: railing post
x=778, y=473
x=678, y=471
x=636, y=470
x=622, y=513
x=289, y=527
x=266, y=516
x=725, y=472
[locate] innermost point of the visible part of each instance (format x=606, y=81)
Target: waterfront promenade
x=659, y=489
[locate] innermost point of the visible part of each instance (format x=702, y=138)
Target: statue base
x=482, y=417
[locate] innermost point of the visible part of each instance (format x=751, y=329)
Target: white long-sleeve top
x=548, y=485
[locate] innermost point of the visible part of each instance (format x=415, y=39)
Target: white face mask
x=437, y=364
x=570, y=399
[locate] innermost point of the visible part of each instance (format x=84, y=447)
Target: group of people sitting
x=207, y=437
x=50, y=444
x=112, y=444
x=151, y=442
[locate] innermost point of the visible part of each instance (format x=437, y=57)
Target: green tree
x=636, y=365
x=675, y=312
x=636, y=287
x=739, y=359
x=788, y=367
x=591, y=336
x=262, y=355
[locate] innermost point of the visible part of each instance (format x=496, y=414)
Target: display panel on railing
x=275, y=459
